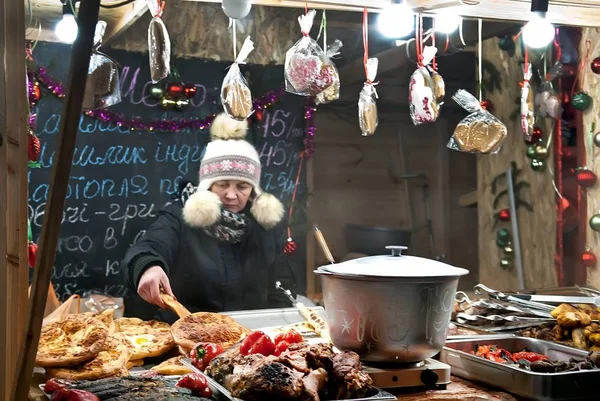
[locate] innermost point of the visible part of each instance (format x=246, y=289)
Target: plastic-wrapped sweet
x=480, y=131
x=306, y=70
x=159, y=44
x=527, y=115
x=547, y=101
x=367, y=106
x=333, y=92
x=102, y=87
x=235, y=94
x=421, y=97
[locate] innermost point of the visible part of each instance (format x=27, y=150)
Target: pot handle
x=396, y=249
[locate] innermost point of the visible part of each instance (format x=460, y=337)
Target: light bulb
x=447, y=23
x=66, y=29
x=538, y=32
x=397, y=21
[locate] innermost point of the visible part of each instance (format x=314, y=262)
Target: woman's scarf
x=231, y=227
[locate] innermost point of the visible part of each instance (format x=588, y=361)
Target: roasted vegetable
x=528, y=356
x=573, y=319
x=203, y=353
x=195, y=382
x=257, y=342
x=73, y=395
x=562, y=308
x=579, y=339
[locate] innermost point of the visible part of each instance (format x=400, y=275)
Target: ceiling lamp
x=447, y=22
x=538, y=32
x=396, y=21
x=66, y=29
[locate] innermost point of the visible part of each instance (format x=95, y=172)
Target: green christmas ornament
x=581, y=101
x=531, y=152
x=541, y=152
x=29, y=233
x=537, y=165
x=595, y=222
x=156, y=91
x=506, y=263
x=503, y=234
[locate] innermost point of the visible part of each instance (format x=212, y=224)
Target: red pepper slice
x=257, y=342
x=193, y=381
x=529, y=356
x=74, y=395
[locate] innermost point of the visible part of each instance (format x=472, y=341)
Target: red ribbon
x=366, y=41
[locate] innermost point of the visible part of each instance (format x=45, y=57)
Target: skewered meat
x=349, y=379
x=263, y=378
x=314, y=383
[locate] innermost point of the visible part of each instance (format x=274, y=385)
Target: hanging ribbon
x=433, y=62
x=323, y=30
x=480, y=57
x=234, y=40
x=580, y=78
x=366, y=41
x=291, y=211
x=419, y=40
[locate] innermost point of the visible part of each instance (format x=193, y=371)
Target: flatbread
x=135, y=364
x=107, y=317
x=70, y=342
x=207, y=327
x=172, y=366
x=145, y=339
x=110, y=361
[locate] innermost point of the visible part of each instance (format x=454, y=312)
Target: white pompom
x=202, y=209
x=225, y=127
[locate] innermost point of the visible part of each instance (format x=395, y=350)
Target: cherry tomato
x=291, y=337
x=281, y=347
x=53, y=386
x=257, y=342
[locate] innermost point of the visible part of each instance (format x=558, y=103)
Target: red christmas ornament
x=595, y=66
x=189, y=90
x=33, y=147
x=564, y=204
x=589, y=259
x=290, y=247
x=259, y=115
x=32, y=253
x=585, y=177
x=487, y=105
x=174, y=90
x=504, y=215
x=536, y=136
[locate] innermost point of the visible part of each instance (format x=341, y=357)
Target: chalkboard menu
x=121, y=178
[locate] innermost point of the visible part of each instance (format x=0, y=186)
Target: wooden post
x=69, y=126
x=13, y=190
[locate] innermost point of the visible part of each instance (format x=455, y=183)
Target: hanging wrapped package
x=159, y=43
x=235, y=94
x=102, y=87
x=421, y=97
x=527, y=115
x=307, y=72
x=480, y=131
x=333, y=92
x=547, y=102
x=367, y=106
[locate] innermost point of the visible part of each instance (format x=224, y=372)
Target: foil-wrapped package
x=547, y=101
x=333, y=92
x=102, y=87
x=480, y=131
x=421, y=97
x=527, y=114
x=235, y=93
x=367, y=106
x=306, y=70
x=159, y=44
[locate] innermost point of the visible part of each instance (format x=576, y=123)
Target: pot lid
x=395, y=265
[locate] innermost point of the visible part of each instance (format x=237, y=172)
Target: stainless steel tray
x=581, y=385
x=496, y=329
x=220, y=393
x=261, y=318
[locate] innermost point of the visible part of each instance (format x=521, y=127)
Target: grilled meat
x=222, y=365
x=314, y=383
x=348, y=380
x=316, y=355
x=265, y=379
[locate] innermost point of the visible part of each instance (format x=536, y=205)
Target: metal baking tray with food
x=579, y=385
x=220, y=393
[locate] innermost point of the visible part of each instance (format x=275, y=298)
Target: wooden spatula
x=172, y=303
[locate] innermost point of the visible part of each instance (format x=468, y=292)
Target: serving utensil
x=559, y=299
x=481, y=289
x=464, y=303
x=467, y=318
x=324, y=247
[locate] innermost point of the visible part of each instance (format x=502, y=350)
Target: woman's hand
x=152, y=281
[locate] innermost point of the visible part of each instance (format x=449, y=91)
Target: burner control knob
x=429, y=378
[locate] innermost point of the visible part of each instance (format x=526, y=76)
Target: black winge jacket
x=207, y=274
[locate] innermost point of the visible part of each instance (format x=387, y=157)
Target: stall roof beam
x=132, y=13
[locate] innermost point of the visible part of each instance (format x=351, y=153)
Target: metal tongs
x=465, y=318
x=481, y=289
x=462, y=299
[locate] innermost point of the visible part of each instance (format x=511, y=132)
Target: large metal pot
x=390, y=308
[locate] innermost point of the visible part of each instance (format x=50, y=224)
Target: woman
x=215, y=248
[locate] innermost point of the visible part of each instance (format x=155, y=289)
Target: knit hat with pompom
x=230, y=157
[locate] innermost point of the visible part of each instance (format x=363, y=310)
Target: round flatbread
x=134, y=364
x=110, y=361
x=172, y=367
x=207, y=327
x=145, y=339
x=72, y=341
x=107, y=317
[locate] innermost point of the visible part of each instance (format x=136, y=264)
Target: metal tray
x=220, y=393
x=496, y=329
x=262, y=318
x=581, y=385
